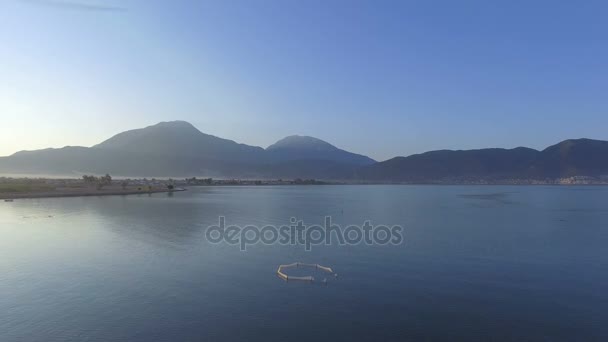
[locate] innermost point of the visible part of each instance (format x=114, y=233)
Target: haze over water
x=477, y=263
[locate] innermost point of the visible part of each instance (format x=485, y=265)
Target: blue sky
x=381, y=78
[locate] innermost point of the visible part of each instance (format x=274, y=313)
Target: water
x=477, y=263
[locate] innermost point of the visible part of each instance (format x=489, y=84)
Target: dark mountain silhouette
x=179, y=149
x=581, y=157
x=442, y=164
x=573, y=157
x=180, y=138
x=297, y=147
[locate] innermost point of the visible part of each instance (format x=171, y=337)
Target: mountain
x=177, y=148
x=179, y=138
x=572, y=157
x=580, y=157
x=444, y=164
x=297, y=147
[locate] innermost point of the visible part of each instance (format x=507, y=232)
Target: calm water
x=477, y=263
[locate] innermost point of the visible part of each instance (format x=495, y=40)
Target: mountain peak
x=152, y=136
x=575, y=143
x=178, y=138
x=302, y=142
x=174, y=124
x=184, y=127
x=301, y=147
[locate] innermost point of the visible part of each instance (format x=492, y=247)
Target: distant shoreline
x=58, y=194
x=78, y=190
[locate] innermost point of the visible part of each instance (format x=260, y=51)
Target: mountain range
x=178, y=149
x=569, y=158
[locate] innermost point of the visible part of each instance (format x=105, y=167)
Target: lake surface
x=476, y=263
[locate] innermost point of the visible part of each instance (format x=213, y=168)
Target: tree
x=107, y=179
x=89, y=179
x=170, y=186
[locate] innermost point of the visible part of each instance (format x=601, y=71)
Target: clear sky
x=381, y=78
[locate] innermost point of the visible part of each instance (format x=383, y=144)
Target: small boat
x=8, y=200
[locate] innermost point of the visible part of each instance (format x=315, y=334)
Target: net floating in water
x=286, y=277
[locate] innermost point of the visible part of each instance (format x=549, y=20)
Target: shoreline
x=58, y=194
x=8, y=197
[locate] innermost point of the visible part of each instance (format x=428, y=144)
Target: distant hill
x=297, y=147
x=434, y=165
x=180, y=138
x=580, y=157
x=177, y=148
x=573, y=157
